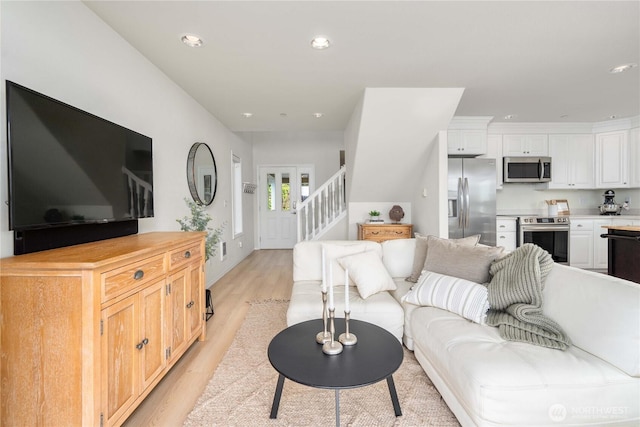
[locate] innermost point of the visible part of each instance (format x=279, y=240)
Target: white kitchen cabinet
x=466, y=142
x=634, y=158
x=581, y=243
x=612, y=160
x=572, y=161
x=494, y=151
x=506, y=233
x=525, y=145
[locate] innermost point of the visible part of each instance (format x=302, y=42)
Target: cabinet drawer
x=380, y=233
x=183, y=255
x=119, y=280
x=581, y=224
x=506, y=239
x=505, y=225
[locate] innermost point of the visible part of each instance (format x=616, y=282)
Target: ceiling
x=543, y=61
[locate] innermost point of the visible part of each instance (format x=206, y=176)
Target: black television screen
x=67, y=166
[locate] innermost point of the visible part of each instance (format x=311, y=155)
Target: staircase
x=322, y=209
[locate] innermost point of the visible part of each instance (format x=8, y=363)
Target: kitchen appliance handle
x=460, y=207
x=466, y=203
x=540, y=169
x=613, y=236
x=545, y=228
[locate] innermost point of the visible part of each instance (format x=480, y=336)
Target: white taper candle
x=346, y=290
x=331, y=306
x=324, y=273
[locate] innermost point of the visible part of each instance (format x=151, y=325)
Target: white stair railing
x=326, y=206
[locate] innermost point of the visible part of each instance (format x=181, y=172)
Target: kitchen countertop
x=616, y=217
x=623, y=227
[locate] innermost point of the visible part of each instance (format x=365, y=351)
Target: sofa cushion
x=501, y=382
x=307, y=257
x=599, y=313
x=460, y=296
x=397, y=256
x=421, y=251
x=368, y=273
x=466, y=262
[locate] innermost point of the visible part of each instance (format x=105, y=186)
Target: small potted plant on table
x=374, y=216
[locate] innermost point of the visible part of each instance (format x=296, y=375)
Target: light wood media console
x=87, y=331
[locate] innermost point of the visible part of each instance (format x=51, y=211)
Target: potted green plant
x=199, y=221
x=374, y=216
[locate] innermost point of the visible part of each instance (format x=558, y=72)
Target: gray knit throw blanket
x=515, y=296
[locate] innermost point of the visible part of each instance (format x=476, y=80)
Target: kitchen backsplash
x=524, y=199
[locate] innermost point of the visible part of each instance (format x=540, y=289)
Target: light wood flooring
x=265, y=274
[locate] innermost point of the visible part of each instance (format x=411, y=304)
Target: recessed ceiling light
x=622, y=68
x=247, y=115
x=318, y=115
x=611, y=117
x=191, y=40
x=320, y=42
x=510, y=116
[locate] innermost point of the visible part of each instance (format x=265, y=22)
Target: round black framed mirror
x=202, y=174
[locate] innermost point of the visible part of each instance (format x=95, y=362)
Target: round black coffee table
x=295, y=354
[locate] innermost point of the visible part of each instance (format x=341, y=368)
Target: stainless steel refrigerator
x=472, y=199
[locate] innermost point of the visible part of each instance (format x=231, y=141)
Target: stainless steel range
x=550, y=233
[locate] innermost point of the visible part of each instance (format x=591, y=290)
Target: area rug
x=240, y=393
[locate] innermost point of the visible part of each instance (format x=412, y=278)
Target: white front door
x=278, y=193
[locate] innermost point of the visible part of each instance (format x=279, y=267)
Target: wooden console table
x=87, y=331
x=379, y=232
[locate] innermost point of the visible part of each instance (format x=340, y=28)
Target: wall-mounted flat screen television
x=67, y=166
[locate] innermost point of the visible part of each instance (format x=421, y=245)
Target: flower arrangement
x=199, y=221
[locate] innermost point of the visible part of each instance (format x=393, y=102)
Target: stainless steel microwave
x=527, y=169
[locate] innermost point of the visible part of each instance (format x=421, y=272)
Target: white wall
x=430, y=210
x=321, y=149
x=62, y=49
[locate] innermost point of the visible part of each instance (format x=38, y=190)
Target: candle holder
x=332, y=347
x=324, y=336
x=347, y=338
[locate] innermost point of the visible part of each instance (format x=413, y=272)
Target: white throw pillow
x=459, y=296
x=368, y=273
x=334, y=251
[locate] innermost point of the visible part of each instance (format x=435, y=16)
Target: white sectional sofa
x=486, y=380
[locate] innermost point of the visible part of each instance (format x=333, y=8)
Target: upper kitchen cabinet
x=467, y=142
x=634, y=158
x=525, y=145
x=572, y=161
x=612, y=157
x=467, y=136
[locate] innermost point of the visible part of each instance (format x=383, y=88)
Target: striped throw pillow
x=462, y=297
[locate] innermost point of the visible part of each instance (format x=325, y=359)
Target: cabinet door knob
x=139, y=274
x=191, y=303
x=187, y=254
